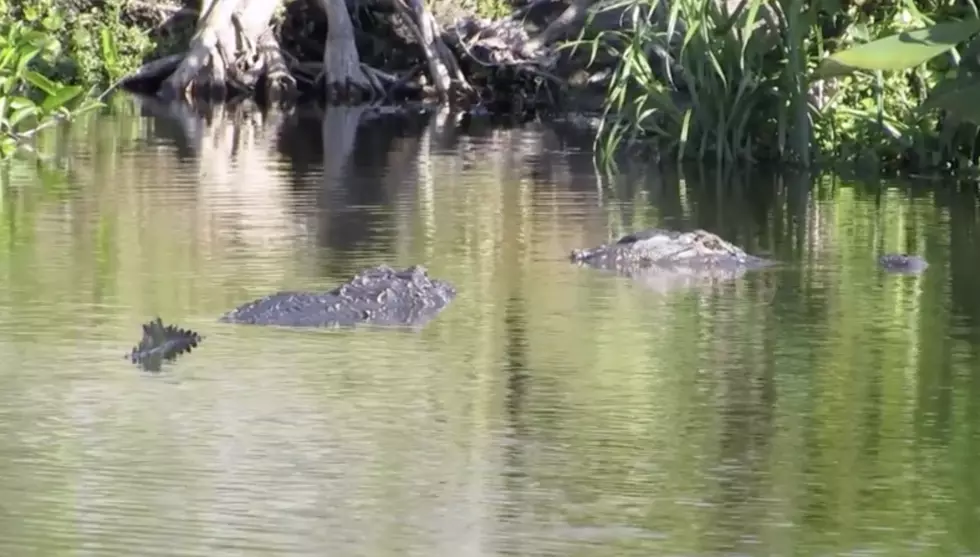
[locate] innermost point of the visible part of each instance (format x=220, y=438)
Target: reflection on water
x=819, y=408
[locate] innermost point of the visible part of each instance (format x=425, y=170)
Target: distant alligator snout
x=902, y=263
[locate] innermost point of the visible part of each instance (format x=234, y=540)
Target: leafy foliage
x=30, y=101
x=99, y=44
x=713, y=99
x=930, y=51
x=790, y=80
x=52, y=57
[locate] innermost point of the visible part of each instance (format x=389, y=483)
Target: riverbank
x=733, y=91
x=396, y=52
x=491, y=57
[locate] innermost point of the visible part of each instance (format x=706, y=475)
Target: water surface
x=822, y=408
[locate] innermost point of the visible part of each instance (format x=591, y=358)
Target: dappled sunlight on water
x=818, y=407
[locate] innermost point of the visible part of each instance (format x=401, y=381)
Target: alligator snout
x=902, y=263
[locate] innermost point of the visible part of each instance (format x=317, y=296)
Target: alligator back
x=377, y=296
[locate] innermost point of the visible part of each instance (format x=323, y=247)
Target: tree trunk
x=344, y=77
x=443, y=67
x=234, y=52
x=348, y=79
x=568, y=21
x=233, y=48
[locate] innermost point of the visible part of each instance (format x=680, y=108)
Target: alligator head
x=902, y=263
x=667, y=258
x=667, y=248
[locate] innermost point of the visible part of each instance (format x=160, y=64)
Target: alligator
x=379, y=296
x=902, y=263
x=162, y=343
x=665, y=259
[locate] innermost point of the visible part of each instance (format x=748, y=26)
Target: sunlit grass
x=723, y=97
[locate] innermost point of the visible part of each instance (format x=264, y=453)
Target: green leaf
x=7, y=56
x=109, y=53
x=62, y=97
x=958, y=96
x=898, y=52
x=7, y=147
x=44, y=84
x=34, y=37
x=25, y=58
x=20, y=114
x=87, y=106
x=16, y=103
x=51, y=22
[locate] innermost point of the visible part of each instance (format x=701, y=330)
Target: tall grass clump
x=792, y=81
x=703, y=83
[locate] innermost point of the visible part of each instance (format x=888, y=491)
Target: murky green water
x=821, y=409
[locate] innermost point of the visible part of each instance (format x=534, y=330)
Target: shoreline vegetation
x=882, y=86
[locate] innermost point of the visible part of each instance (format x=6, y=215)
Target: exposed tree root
x=566, y=22
x=205, y=64
x=443, y=67
x=238, y=51
x=231, y=53
x=343, y=74
x=279, y=82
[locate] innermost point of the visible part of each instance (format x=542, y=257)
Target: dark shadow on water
x=368, y=164
x=518, y=439
x=763, y=212
x=175, y=124
x=362, y=162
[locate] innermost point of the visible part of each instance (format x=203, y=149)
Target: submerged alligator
x=902, y=263
x=379, y=296
x=666, y=258
x=388, y=297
